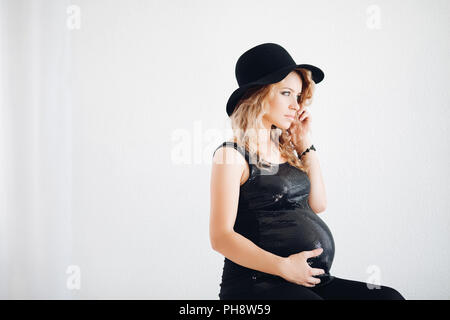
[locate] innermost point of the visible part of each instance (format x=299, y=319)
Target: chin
x=284, y=125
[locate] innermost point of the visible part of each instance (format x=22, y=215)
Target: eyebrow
x=289, y=89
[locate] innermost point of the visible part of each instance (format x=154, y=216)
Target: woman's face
x=284, y=101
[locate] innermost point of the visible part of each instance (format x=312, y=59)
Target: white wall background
x=91, y=121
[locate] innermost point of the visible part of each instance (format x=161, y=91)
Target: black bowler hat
x=264, y=64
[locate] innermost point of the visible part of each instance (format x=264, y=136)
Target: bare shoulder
x=227, y=168
x=227, y=155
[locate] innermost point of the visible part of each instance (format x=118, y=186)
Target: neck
x=267, y=146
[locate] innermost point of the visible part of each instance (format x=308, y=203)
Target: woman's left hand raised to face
x=300, y=129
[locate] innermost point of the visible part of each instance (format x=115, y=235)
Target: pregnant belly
x=286, y=232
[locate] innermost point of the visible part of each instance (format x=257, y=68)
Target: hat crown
x=260, y=61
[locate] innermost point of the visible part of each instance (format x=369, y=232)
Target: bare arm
x=244, y=252
x=225, y=184
x=317, y=196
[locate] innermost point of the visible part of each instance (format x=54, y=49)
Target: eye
x=288, y=92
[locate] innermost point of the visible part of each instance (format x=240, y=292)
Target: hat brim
x=277, y=76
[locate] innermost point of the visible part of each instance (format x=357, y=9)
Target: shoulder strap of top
x=242, y=150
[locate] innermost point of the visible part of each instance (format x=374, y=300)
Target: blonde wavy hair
x=246, y=120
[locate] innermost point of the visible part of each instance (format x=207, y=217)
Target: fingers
x=304, y=113
x=307, y=285
x=310, y=282
x=313, y=281
x=313, y=253
x=317, y=272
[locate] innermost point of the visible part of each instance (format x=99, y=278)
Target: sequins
x=278, y=196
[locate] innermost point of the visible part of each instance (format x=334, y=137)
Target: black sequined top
x=273, y=212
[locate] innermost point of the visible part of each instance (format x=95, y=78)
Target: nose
x=295, y=105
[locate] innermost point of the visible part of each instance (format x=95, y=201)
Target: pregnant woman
x=267, y=189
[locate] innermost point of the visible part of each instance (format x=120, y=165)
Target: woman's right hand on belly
x=297, y=270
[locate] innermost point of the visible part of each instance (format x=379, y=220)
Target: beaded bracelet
x=307, y=150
